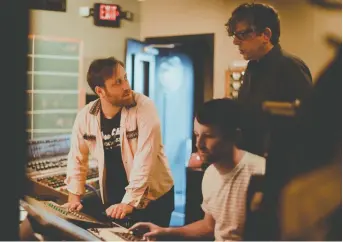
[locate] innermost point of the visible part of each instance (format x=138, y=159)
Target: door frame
x=203, y=63
x=139, y=58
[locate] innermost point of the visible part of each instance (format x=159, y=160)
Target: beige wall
x=97, y=41
x=303, y=28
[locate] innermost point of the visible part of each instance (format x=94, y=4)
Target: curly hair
x=259, y=16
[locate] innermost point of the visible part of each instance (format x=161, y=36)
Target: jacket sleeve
x=77, y=164
x=149, y=144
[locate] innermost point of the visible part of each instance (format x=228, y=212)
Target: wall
x=98, y=42
x=303, y=28
x=304, y=31
x=185, y=17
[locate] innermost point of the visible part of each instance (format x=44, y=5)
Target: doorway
x=176, y=72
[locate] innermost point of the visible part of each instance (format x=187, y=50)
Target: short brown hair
x=100, y=70
x=223, y=114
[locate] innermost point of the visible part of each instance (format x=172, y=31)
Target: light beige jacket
x=142, y=152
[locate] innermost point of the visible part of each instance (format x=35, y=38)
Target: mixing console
x=105, y=231
x=60, y=211
x=56, y=180
x=47, y=170
x=47, y=166
x=114, y=234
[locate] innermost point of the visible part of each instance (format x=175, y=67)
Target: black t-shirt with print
x=116, y=179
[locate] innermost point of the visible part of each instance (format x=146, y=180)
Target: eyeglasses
x=242, y=35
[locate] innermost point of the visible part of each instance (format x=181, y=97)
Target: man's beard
x=212, y=158
x=208, y=158
x=122, y=102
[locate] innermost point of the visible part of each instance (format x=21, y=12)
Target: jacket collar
x=270, y=56
x=95, y=108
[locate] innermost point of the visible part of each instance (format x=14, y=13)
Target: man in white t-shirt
x=225, y=182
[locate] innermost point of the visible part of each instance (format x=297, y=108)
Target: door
x=166, y=76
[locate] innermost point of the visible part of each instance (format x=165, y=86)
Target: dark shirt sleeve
x=296, y=80
x=296, y=83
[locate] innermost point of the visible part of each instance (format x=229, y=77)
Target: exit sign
x=107, y=15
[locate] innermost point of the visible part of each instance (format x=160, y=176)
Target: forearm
x=77, y=170
x=197, y=230
x=73, y=197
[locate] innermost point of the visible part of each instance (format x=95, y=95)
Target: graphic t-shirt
x=116, y=179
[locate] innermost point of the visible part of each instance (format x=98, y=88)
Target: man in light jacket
x=121, y=130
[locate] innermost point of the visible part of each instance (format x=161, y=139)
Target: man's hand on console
x=149, y=231
x=119, y=211
x=74, y=202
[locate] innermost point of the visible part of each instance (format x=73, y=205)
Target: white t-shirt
x=224, y=195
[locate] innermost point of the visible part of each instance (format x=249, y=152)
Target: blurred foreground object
x=302, y=196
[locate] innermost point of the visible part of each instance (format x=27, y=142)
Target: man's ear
x=99, y=91
x=267, y=33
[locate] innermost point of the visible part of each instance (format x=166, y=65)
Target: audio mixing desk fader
x=47, y=168
x=65, y=213
x=105, y=231
x=114, y=234
x=55, y=180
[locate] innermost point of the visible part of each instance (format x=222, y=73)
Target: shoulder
x=84, y=115
x=145, y=109
x=292, y=62
x=210, y=176
x=88, y=108
x=255, y=163
x=210, y=172
x=208, y=180
x=142, y=101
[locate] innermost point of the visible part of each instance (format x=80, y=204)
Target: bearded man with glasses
x=271, y=73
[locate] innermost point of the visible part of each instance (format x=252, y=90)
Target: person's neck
x=265, y=50
x=225, y=166
x=108, y=109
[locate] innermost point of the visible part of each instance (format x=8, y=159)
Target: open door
x=140, y=67
x=165, y=74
